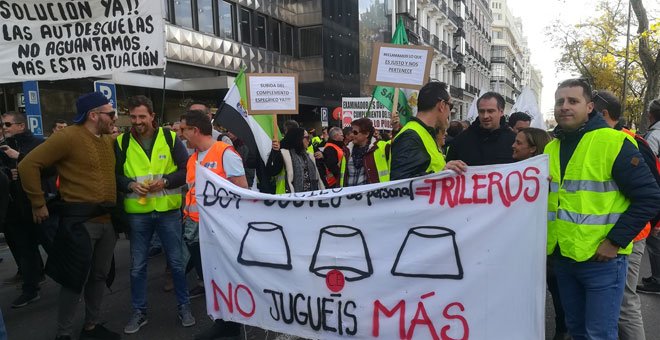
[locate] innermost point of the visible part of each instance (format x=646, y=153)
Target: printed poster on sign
x=62, y=39
x=357, y=107
x=403, y=66
x=272, y=93
x=424, y=258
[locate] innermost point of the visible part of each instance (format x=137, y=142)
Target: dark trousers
x=551, y=280
x=196, y=258
x=23, y=241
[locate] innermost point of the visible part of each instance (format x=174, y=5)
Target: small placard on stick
x=400, y=65
x=272, y=93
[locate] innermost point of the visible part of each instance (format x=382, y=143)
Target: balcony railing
x=443, y=6
x=509, y=100
x=435, y=41
x=497, y=59
x=455, y=18
x=425, y=34
x=445, y=49
x=456, y=92
x=458, y=57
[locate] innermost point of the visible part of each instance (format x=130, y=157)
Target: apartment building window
x=287, y=39
x=311, y=41
x=246, y=25
x=166, y=10
x=183, y=13
x=205, y=16
x=261, y=31
x=226, y=20
x=275, y=35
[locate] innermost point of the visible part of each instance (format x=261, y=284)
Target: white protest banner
x=404, y=66
x=61, y=39
x=435, y=257
x=272, y=93
x=356, y=107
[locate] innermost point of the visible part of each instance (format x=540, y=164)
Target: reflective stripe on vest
x=437, y=162
x=213, y=162
x=329, y=177
x=586, y=204
x=382, y=165
x=141, y=169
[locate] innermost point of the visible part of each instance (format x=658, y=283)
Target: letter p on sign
x=108, y=90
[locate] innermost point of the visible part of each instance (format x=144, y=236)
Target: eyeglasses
x=305, y=137
x=110, y=114
x=9, y=124
x=451, y=105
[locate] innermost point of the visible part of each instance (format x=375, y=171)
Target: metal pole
x=393, y=16
x=625, y=67
x=162, y=107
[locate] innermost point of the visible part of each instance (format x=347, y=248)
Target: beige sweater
x=85, y=164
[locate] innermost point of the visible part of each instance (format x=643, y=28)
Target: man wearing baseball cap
x=82, y=252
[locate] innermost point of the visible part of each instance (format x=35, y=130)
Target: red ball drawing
x=335, y=281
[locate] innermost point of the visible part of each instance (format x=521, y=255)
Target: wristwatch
x=166, y=183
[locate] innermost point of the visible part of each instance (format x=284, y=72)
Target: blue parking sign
x=33, y=107
x=109, y=90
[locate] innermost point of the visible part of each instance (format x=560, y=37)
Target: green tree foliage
x=596, y=49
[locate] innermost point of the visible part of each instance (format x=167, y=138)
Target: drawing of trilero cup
x=342, y=248
x=429, y=252
x=264, y=245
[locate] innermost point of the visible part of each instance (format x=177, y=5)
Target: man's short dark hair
x=606, y=100
x=455, y=128
x=431, y=94
x=140, y=100
x=200, y=120
x=490, y=95
x=290, y=124
x=517, y=117
x=578, y=82
x=58, y=121
x=654, y=109
x=200, y=102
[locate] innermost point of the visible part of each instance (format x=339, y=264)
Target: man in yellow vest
x=151, y=169
x=601, y=196
x=414, y=149
x=224, y=161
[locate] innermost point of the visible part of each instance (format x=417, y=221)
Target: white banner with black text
x=61, y=39
x=436, y=257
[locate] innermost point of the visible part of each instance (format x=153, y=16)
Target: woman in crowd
x=300, y=169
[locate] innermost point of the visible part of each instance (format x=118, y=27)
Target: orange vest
x=213, y=162
x=647, y=228
x=329, y=177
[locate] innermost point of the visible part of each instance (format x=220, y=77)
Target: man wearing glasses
x=488, y=140
x=151, y=169
x=82, y=253
x=414, y=149
x=20, y=231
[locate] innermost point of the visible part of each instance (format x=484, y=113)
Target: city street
x=37, y=321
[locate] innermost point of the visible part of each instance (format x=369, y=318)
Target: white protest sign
x=435, y=257
x=400, y=65
x=357, y=107
x=61, y=39
x=272, y=93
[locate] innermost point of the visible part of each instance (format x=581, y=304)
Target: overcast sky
x=536, y=16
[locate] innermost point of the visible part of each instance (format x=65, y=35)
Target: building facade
x=536, y=84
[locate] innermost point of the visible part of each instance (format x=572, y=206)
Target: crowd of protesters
x=74, y=192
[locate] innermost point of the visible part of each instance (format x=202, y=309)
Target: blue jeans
x=591, y=293
x=168, y=227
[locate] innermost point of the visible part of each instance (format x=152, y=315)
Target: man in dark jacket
x=601, y=196
x=21, y=233
x=488, y=140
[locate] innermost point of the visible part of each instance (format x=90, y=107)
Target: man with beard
x=151, y=168
x=488, y=140
x=21, y=233
x=82, y=253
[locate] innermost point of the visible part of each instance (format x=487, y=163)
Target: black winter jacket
x=478, y=146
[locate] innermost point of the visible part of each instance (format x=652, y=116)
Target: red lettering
x=227, y=298
x=512, y=197
x=463, y=199
x=434, y=186
x=495, y=179
x=238, y=304
x=424, y=320
x=445, y=194
x=378, y=307
x=537, y=185
x=445, y=329
x=476, y=187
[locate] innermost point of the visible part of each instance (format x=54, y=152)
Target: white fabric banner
x=528, y=104
x=60, y=39
x=435, y=257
